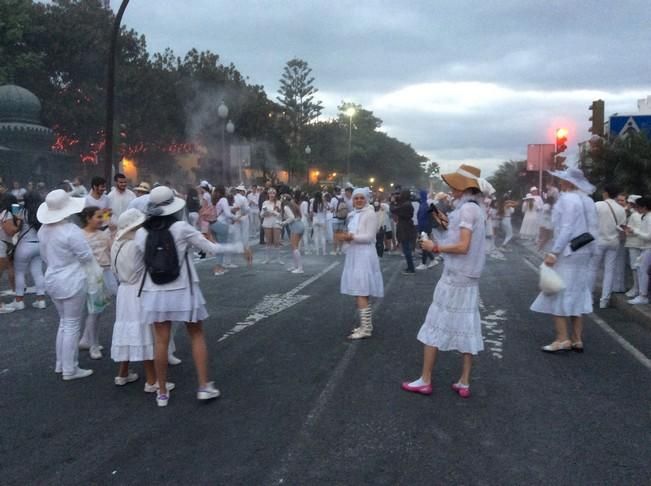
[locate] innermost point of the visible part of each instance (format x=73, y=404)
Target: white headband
x=484, y=185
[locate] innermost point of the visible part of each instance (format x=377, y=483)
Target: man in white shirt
x=18, y=192
x=119, y=198
x=78, y=189
x=97, y=197
x=612, y=218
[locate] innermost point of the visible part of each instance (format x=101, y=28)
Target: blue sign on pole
x=620, y=125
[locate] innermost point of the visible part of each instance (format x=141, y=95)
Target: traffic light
x=597, y=118
x=561, y=140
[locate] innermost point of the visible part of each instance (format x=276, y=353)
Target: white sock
x=297, y=259
x=461, y=385
x=418, y=382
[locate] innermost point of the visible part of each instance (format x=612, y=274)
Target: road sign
x=540, y=154
x=621, y=125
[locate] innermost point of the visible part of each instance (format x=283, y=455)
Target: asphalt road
x=302, y=405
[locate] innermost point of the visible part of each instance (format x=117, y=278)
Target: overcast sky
x=460, y=81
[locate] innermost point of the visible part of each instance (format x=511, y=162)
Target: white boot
x=366, y=325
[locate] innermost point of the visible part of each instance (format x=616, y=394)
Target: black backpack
x=161, y=259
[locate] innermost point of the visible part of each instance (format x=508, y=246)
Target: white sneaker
x=17, y=305
x=291, y=269
x=421, y=267
x=230, y=265
x=639, y=300
x=39, y=304
x=603, y=303
x=208, y=392
x=154, y=388
x=6, y=309
x=95, y=352
x=631, y=293
x=219, y=272
x=432, y=264
x=162, y=400
x=298, y=271
x=173, y=360
x=123, y=380
x=79, y=373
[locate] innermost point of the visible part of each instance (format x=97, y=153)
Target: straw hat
x=58, y=205
x=162, y=202
x=128, y=221
x=574, y=176
x=465, y=177
x=143, y=187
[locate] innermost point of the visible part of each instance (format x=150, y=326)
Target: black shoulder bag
x=584, y=238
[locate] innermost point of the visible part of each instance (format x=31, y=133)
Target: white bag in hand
x=550, y=281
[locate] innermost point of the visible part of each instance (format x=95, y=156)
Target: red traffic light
x=561, y=140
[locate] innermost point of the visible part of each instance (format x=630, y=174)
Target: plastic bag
x=550, y=282
x=96, y=298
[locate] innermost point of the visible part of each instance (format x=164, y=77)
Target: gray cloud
x=364, y=50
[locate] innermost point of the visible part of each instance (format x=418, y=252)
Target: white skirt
x=530, y=226
x=453, y=321
x=576, y=298
x=362, y=275
x=132, y=337
x=174, y=305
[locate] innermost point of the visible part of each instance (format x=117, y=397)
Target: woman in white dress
x=530, y=223
x=318, y=211
x=361, y=277
x=133, y=339
x=453, y=321
x=505, y=213
x=180, y=299
x=573, y=215
x=64, y=251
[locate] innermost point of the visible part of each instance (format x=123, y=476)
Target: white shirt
x=241, y=202
x=644, y=231
x=102, y=202
x=64, y=249
x=224, y=214
x=634, y=222
x=608, y=234
x=254, y=200
x=119, y=203
x=130, y=263
x=573, y=214
x=271, y=214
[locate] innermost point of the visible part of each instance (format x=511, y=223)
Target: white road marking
x=636, y=353
x=275, y=303
x=494, y=335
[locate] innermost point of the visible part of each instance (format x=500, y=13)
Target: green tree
x=624, y=161
x=17, y=29
x=511, y=176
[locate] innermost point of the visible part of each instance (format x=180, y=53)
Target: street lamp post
x=308, y=151
x=110, y=95
x=222, y=112
x=350, y=112
x=230, y=128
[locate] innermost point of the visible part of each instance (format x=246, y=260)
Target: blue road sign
x=622, y=124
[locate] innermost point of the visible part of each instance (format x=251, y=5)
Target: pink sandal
x=462, y=390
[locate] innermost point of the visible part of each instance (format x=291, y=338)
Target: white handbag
x=550, y=282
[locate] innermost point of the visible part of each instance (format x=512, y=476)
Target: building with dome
x=25, y=144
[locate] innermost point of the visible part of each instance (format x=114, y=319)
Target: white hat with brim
x=527, y=197
x=574, y=176
x=163, y=202
x=58, y=206
x=240, y=188
x=128, y=221
x=633, y=198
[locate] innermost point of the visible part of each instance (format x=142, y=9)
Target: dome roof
x=19, y=105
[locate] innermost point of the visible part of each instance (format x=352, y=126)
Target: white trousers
x=319, y=237
x=28, y=256
x=244, y=231
x=507, y=227
x=254, y=223
x=605, y=256
x=643, y=273
x=67, y=344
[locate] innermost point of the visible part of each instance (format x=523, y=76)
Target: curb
x=641, y=314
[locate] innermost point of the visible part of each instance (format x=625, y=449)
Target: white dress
x=573, y=214
x=132, y=336
x=530, y=222
x=453, y=321
x=362, y=275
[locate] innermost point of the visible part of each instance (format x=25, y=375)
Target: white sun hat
x=58, y=206
x=128, y=221
x=575, y=176
x=162, y=202
x=241, y=188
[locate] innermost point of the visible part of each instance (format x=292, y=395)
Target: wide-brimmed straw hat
x=465, y=177
x=58, y=206
x=128, y=221
x=143, y=187
x=574, y=176
x=162, y=202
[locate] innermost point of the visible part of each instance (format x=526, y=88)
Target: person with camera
x=453, y=321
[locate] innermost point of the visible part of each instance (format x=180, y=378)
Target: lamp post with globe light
x=230, y=128
x=350, y=112
x=222, y=113
x=308, y=151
